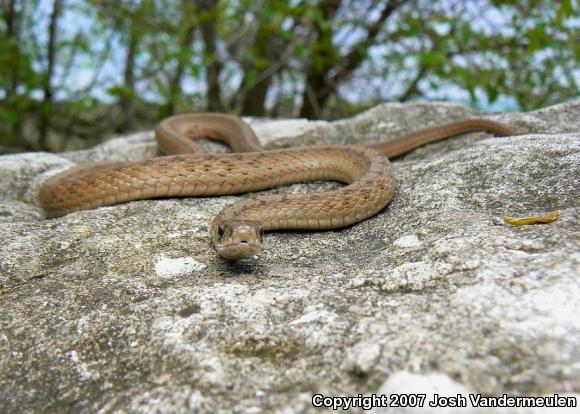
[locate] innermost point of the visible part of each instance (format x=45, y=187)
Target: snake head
x=237, y=239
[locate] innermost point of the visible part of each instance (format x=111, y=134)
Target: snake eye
x=221, y=231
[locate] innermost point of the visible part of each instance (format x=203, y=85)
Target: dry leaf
x=524, y=221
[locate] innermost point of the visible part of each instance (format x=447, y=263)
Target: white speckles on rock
x=362, y=358
x=314, y=315
x=532, y=246
x=552, y=310
x=81, y=368
x=358, y=282
x=171, y=332
x=284, y=128
x=192, y=232
x=213, y=371
x=410, y=241
x=384, y=125
x=166, y=267
x=413, y=276
x=196, y=402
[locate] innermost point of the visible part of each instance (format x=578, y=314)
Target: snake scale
x=237, y=231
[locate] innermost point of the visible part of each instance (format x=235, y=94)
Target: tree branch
x=358, y=52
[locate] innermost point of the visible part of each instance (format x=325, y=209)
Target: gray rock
x=128, y=309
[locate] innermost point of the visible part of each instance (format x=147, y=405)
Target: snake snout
x=238, y=239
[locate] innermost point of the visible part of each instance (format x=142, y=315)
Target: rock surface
x=128, y=309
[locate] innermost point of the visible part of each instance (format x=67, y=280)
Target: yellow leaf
x=524, y=221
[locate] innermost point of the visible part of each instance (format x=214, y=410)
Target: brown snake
x=237, y=231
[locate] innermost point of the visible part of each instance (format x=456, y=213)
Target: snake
x=237, y=231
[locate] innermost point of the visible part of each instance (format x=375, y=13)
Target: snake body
x=237, y=231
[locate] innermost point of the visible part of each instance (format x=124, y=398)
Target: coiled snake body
x=237, y=231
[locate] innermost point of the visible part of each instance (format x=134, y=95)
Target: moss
x=264, y=347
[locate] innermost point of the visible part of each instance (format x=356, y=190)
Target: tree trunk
x=270, y=54
x=175, y=82
x=12, y=19
x=254, y=101
x=127, y=101
x=213, y=65
x=47, y=103
x=315, y=93
x=253, y=90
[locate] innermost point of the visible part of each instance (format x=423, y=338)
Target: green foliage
x=120, y=91
x=269, y=56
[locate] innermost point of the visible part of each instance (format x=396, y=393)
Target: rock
x=362, y=358
x=128, y=309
